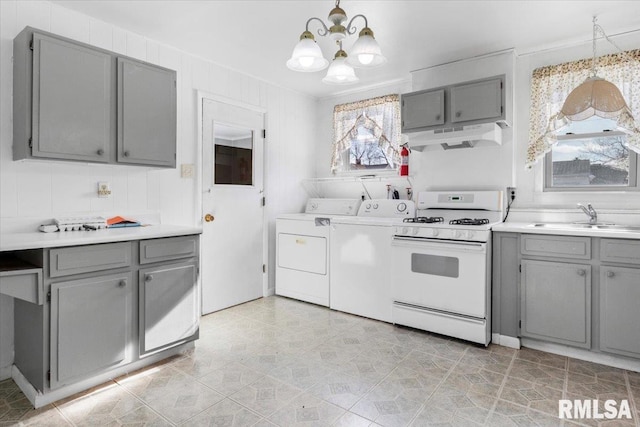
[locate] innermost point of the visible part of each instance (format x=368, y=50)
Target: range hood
x=479, y=135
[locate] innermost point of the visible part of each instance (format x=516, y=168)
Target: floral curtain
x=551, y=85
x=380, y=116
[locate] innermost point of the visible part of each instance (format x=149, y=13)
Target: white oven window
x=435, y=265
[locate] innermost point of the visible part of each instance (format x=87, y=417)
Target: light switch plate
x=104, y=189
x=186, y=170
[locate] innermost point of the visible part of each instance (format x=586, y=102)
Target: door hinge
x=48, y=375
x=30, y=142
x=501, y=109
x=520, y=268
x=264, y=201
x=500, y=84
x=264, y=134
x=49, y=296
x=31, y=45
x=264, y=268
x=519, y=323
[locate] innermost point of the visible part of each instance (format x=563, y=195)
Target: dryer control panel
x=333, y=206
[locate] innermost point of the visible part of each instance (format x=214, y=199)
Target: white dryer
x=302, y=249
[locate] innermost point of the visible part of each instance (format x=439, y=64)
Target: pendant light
x=596, y=96
x=366, y=53
x=340, y=72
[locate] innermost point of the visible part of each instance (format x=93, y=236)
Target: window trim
x=634, y=169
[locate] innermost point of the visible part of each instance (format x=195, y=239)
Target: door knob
x=209, y=217
x=610, y=274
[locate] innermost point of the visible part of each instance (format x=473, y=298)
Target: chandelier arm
x=352, y=30
x=321, y=31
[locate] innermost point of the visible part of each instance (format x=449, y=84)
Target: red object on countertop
x=404, y=161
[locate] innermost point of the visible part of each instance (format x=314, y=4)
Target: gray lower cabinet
x=168, y=305
x=74, y=101
x=556, y=302
x=619, y=313
x=91, y=323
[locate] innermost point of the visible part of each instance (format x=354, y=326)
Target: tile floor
x=280, y=362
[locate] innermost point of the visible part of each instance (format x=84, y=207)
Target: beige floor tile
x=531, y=395
x=471, y=379
x=432, y=415
x=142, y=417
x=185, y=402
x=539, y=374
x=225, y=413
x=349, y=419
x=307, y=410
x=266, y=395
x=507, y=414
x=592, y=386
x=428, y=364
x=301, y=373
x=596, y=371
x=231, y=378
x=543, y=358
x=341, y=389
x=151, y=384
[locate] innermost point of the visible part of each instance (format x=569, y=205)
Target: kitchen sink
x=582, y=226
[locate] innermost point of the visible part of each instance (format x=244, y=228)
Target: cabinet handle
x=458, y=113
x=148, y=277
x=126, y=154
x=122, y=283
x=438, y=117
x=610, y=274
x=100, y=152
x=581, y=272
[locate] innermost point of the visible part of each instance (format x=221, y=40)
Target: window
x=366, y=135
x=233, y=155
x=590, y=155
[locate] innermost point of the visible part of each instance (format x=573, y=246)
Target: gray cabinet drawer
x=84, y=259
x=556, y=246
x=24, y=284
x=613, y=250
x=166, y=249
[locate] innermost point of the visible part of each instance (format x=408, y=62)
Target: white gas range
x=441, y=263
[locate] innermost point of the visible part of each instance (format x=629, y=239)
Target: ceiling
x=257, y=37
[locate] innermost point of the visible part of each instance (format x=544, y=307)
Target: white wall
x=32, y=191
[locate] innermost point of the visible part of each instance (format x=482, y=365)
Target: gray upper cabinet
x=481, y=100
x=146, y=114
x=72, y=95
x=73, y=101
x=422, y=109
x=556, y=302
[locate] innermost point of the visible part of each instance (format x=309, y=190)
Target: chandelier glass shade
x=595, y=96
x=365, y=53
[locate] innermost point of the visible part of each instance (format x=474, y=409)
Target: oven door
x=446, y=276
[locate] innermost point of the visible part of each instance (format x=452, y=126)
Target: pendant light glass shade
x=594, y=97
x=340, y=72
x=366, y=51
x=307, y=57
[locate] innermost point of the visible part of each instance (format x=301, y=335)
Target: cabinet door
x=72, y=101
x=146, y=114
x=423, y=109
x=90, y=326
x=619, y=314
x=476, y=101
x=555, y=302
x=168, y=305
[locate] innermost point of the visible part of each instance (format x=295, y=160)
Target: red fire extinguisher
x=404, y=160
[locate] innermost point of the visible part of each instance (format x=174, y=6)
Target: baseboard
x=505, y=341
x=589, y=356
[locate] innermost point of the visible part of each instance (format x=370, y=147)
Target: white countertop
x=37, y=240
x=527, y=227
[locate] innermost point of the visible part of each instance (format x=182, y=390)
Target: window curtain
x=381, y=116
x=551, y=85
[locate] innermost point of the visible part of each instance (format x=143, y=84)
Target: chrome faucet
x=593, y=215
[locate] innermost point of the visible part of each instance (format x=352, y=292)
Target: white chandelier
x=365, y=53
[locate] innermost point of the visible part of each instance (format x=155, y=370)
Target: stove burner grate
x=469, y=221
x=424, y=219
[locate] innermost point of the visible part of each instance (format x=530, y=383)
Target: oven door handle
x=417, y=243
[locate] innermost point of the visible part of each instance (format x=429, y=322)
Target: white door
x=233, y=218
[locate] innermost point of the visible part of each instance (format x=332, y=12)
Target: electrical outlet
x=104, y=189
x=511, y=193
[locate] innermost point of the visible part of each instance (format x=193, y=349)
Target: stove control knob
x=375, y=206
x=457, y=234
x=470, y=234
x=314, y=206
x=368, y=206
x=415, y=231
x=402, y=206
x=405, y=230
x=435, y=232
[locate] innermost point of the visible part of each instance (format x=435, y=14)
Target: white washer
x=360, y=259
x=302, y=249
